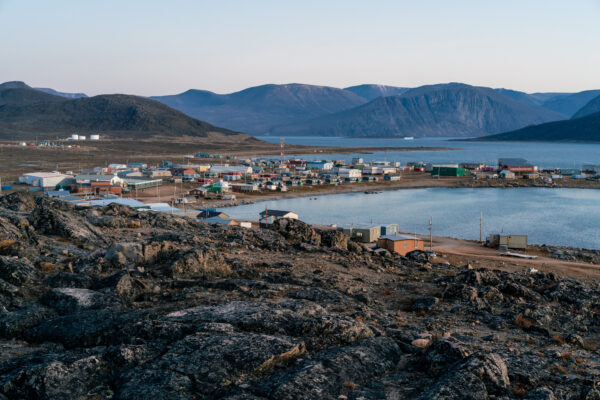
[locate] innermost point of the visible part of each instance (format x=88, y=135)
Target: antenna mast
x=282, y=152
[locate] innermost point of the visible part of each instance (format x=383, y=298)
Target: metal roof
x=399, y=237
x=275, y=213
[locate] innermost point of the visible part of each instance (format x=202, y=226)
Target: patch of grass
x=558, y=368
x=522, y=322
x=558, y=339
x=566, y=357
x=518, y=391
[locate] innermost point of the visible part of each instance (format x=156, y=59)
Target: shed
x=400, y=244
x=508, y=241
x=362, y=233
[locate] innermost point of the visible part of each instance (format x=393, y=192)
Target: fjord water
x=543, y=154
x=569, y=217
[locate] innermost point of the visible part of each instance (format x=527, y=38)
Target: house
x=226, y=169
x=322, y=165
x=211, y=213
x=517, y=165
x=362, y=233
x=400, y=244
x=160, y=173
x=136, y=184
x=391, y=178
x=507, y=241
x=267, y=217
x=389, y=229
x=349, y=173
x=447, y=170
x=112, y=180
x=506, y=174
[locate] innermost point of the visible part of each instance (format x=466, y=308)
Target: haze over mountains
x=584, y=126
x=453, y=110
x=25, y=112
x=376, y=110
x=258, y=109
x=444, y=110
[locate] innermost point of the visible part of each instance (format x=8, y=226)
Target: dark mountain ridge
x=25, y=112
x=584, y=129
x=590, y=108
x=453, y=109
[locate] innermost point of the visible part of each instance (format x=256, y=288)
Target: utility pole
x=430, y=233
x=481, y=226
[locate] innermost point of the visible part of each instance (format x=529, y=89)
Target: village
x=206, y=182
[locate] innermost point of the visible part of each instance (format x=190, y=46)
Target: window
x=405, y=245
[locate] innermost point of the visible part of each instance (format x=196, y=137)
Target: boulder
x=129, y=288
x=296, y=318
x=13, y=324
x=16, y=271
x=424, y=303
x=71, y=300
x=332, y=372
x=70, y=280
x=295, y=230
x=124, y=254
x=200, y=264
x=334, y=239
x=48, y=218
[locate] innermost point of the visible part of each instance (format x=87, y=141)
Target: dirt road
x=461, y=252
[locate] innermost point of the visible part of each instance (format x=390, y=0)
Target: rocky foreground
x=113, y=303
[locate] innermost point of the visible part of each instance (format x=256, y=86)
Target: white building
x=46, y=179
x=114, y=180
x=349, y=173
x=225, y=169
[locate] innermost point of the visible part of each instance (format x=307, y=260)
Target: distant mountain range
x=590, y=108
x=571, y=103
x=445, y=110
x=437, y=110
x=583, y=127
x=376, y=110
x=62, y=94
x=258, y=109
x=371, y=92
x=25, y=112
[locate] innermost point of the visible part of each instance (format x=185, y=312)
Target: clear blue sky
x=152, y=47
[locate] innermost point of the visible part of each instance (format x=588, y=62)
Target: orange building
x=400, y=244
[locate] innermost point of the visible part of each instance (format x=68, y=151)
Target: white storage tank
x=74, y=137
x=81, y=137
x=94, y=137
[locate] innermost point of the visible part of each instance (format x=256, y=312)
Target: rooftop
x=399, y=237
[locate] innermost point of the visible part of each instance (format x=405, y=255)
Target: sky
x=149, y=47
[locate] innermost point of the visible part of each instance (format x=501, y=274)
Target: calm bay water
x=543, y=154
x=569, y=217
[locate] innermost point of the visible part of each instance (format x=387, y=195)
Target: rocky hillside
x=114, y=303
x=27, y=112
x=258, y=109
x=455, y=110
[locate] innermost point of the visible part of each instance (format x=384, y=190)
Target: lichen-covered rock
x=200, y=264
x=71, y=300
x=16, y=271
x=296, y=231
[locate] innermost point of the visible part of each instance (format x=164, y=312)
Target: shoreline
x=326, y=190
